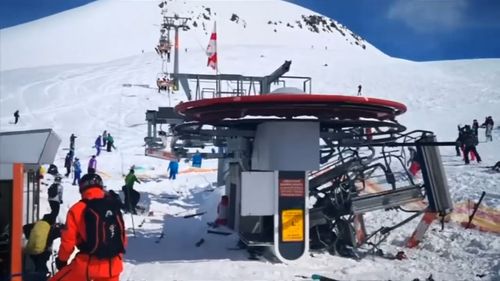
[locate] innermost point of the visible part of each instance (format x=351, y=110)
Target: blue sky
x=13, y=12
x=411, y=29
x=420, y=29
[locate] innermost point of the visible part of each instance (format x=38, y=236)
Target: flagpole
x=211, y=52
x=217, y=62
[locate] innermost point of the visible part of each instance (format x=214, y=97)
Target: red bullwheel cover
x=289, y=106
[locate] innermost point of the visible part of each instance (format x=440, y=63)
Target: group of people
x=104, y=140
x=70, y=161
x=487, y=125
x=100, y=256
x=94, y=225
x=466, y=143
x=468, y=139
x=164, y=52
x=163, y=48
x=173, y=165
x=164, y=84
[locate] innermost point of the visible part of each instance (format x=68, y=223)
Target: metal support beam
x=386, y=199
x=237, y=81
x=175, y=23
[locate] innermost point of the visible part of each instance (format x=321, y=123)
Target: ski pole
x=130, y=210
x=133, y=226
x=475, y=209
x=52, y=263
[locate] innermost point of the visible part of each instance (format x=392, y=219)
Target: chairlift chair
x=163, y=82
x=163, y=40
x=164, y=47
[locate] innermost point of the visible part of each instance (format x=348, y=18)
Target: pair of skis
x=317, y=277
x=162, y=234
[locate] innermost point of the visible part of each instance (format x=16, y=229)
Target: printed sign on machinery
x=292, y=212
x=293, y=225
x=291, y=187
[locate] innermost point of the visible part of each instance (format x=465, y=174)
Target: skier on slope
x=469, y=143
x=55, y=196
x=475, y=127
x=77, y=170
x=196, y=159
x=72, y=142
x=173, y=168
x=16, y=116
x=458, y=143
x=110, y=144
x=488, y=125
x=104, y=138
x=132, y=197
x=461, y=144
x=97, y=145
x=92, y=167
x=68, y=162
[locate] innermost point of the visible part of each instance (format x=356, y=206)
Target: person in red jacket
x=100, y=256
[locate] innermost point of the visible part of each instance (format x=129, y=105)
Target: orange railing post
x=16, y=267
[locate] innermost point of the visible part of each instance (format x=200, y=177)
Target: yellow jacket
x=37, y=242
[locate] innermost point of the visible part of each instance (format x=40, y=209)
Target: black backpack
x=53, y=190
x=52, y=170
x=104, y=228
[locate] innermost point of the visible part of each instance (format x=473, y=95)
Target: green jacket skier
x=130, y=179
x=132, y=197
x=110, y=144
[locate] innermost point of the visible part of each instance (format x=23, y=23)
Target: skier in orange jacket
x=100, y=256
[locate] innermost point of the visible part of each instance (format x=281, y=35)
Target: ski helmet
x=90, y=180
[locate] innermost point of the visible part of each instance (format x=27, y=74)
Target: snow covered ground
x=67, y=72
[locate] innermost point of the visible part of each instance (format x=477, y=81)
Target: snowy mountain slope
x=86, y=99
x=89, y=34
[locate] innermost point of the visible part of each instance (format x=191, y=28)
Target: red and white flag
x=212, y=50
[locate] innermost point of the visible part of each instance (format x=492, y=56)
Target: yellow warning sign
x=292, y=225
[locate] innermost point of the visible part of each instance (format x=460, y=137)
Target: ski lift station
x=296, y=165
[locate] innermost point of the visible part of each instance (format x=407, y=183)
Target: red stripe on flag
x=212, y=49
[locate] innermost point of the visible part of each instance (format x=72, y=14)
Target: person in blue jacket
x=77, y=171
x=173, y=168
x=196, y=160
x=97, y=145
